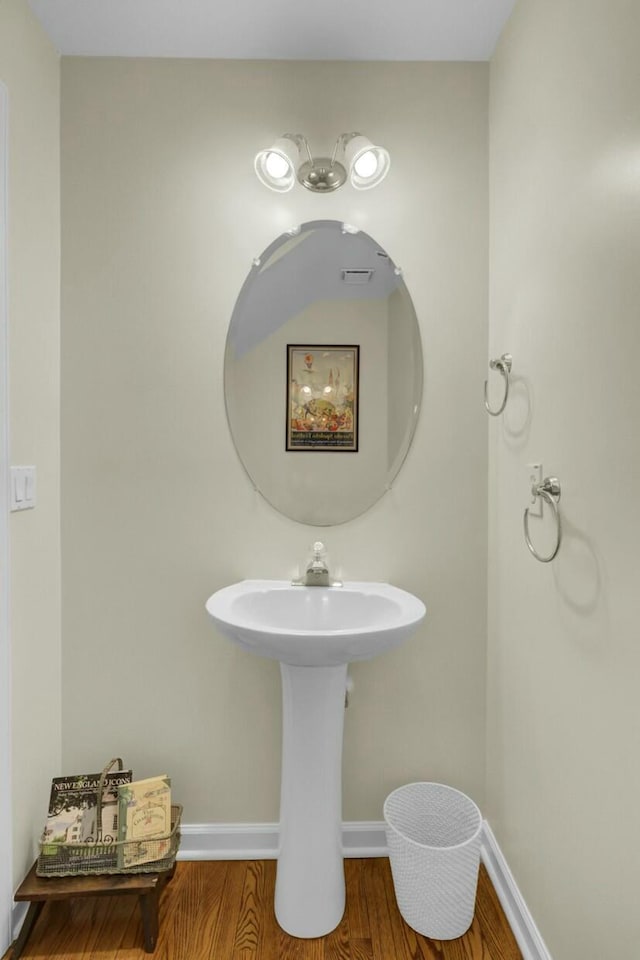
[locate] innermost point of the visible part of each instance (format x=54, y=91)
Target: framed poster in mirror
x=322, y=397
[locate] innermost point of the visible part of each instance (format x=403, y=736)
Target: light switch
x=23, y=488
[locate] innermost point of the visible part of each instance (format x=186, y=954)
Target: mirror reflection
x=323, y=373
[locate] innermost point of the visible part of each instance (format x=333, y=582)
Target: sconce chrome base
x=322, y=175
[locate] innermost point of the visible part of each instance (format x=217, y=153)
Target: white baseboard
x=527, y=935
x=228, y=841
x=259, y=841
x=18, y=914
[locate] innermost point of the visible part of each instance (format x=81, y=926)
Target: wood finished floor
x=223, y=910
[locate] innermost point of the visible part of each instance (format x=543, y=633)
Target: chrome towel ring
x=503, y=364
x=549, y=490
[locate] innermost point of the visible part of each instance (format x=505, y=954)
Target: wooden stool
x=37, y=890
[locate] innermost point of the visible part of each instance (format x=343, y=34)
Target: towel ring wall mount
x=548, y=490
x=503, y=365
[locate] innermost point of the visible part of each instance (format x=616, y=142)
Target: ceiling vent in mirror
x=357, y=275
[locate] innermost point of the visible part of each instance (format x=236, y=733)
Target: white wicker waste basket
x=433, y=835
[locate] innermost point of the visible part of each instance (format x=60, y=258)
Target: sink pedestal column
x=310, y=891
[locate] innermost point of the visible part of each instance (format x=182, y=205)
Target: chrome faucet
x=317, y=571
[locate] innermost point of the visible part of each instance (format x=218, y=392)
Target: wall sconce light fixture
x=354, y=157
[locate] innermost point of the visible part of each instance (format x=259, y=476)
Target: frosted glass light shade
x=276, y=166
x=367, y=163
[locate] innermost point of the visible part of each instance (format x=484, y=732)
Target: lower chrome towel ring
x=549, y=491
x=503, y=365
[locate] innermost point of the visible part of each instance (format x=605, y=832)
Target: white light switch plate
x=534, y=475
x=23, y=488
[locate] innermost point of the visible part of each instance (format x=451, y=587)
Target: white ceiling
x=276, y=29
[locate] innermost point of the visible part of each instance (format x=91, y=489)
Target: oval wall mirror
x=323, y=373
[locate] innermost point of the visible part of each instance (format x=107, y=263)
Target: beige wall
x=162, y=217
x=29, y=67
x=563, y=710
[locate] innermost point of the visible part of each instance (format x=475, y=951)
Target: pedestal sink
x=315, y=632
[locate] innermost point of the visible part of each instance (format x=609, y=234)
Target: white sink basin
x=315, y=626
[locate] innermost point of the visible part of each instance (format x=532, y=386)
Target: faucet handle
x=316, y=569
x=318, y=559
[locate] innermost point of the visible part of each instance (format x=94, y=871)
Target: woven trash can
x=433, y=836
